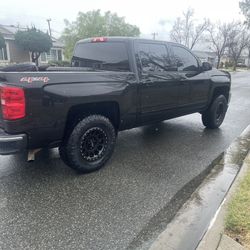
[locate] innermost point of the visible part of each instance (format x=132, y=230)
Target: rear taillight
x=12, y=102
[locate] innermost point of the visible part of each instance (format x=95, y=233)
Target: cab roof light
x=99, y=39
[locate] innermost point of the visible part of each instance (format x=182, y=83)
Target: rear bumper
x=11, y=144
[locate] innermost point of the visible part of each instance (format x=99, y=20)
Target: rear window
x=111, y=56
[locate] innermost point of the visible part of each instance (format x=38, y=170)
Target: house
x=243, y=61
x=12, y=53
x=55, y=54
x=206, y=56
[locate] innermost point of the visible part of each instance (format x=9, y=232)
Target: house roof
x=8, y=32
x=57, y=43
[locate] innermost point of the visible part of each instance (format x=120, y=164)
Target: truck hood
x=216, y=72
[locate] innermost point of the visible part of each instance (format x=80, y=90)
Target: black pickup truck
x=113, y=84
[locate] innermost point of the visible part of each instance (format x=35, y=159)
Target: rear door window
x=153, y=57
x=111, y=56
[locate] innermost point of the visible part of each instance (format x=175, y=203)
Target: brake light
x=99, y=39
x=12, y=102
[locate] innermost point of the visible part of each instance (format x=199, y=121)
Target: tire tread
x=68, y=148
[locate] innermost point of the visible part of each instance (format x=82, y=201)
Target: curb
x=196, y=216
x=215, y=233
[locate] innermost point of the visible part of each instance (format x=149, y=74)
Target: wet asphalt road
x=46, y=205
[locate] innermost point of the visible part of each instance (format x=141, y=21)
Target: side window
x=182, y=59
x=153, y=57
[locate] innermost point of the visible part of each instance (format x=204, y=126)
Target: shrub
x=60, y=63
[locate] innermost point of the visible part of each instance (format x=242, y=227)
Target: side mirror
x=206, y=66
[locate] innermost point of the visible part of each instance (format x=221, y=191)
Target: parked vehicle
x=113, y=84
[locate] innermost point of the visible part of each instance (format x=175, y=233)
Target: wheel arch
x=221, y=90
x=76, y=113
x=216, y=91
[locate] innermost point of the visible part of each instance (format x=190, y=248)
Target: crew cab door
x=191, y=75
x=159, y=87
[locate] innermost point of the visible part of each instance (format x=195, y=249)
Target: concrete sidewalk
x=215, y=237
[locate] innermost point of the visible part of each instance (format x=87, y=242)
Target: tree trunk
x=235, y=64
x=236, y=59
x=218, y=63
x=248, y=59
x=33, y=58
x=36, y=61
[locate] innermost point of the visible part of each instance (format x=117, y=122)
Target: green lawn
x=238, y=215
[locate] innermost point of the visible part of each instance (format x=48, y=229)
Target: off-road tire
x=214, y=116
x=90, y=144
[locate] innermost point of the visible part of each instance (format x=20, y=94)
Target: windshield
x=111, y=56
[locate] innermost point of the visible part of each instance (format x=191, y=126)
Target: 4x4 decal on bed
x=31, y=79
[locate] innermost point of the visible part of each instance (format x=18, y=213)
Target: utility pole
x=154, y=35
x=49, y=20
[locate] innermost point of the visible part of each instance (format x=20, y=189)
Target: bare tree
x=239, y=39
x=186, y=32
x=219, y=35
x=248, y=59
x=176, y=32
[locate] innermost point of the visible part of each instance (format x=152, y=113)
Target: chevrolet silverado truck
x=113, y=84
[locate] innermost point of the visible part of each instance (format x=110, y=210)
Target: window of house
x=3, y=54
x=153, y=57
x=182, y=59
x=59, y=54
x=53, y=54
x=43, y=57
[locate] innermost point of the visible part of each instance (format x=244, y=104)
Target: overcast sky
x=150, y=16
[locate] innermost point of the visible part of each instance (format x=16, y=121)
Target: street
x=46, y=205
